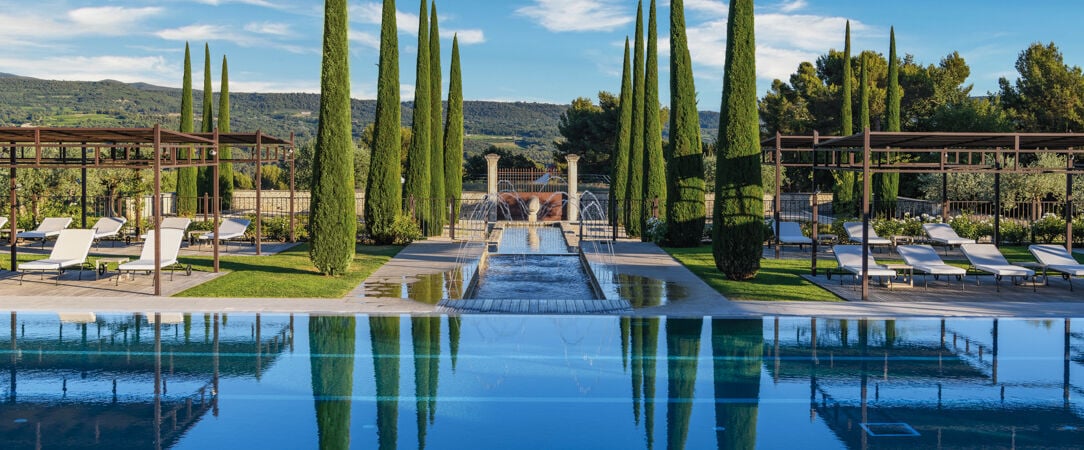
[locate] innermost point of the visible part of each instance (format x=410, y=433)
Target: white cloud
x=220, y=33
x=32, y=27
x=262, y=3
x=150, y=69
x=365, y=39
x=110, y=20
x=577, y=15
x=466, y=37
x=373, y=13
x=789, y=6
x=271, y=28
x=712, y=7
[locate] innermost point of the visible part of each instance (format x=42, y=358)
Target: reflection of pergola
x=139, y=148
x=944, y=153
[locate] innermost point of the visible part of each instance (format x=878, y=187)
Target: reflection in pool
x=199, y=381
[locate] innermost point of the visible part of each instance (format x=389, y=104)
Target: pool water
x=210, y=381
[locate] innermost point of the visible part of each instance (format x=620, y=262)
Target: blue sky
x=512, y=50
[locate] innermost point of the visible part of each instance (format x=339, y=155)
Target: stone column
x=491, y=173
x=573, y=187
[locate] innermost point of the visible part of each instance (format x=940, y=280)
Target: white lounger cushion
x=849, y=258
x=228, y=229
x=171, y=245
x=987, y=258
x=791, y=233
x=51, y=226
x=108, y=226
x=178, y=223
x=924, y=259
x=71, y=249
x=854, y=232
x=1057, y=258
x=944, y=234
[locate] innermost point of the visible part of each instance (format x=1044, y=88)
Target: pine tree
x=206, y=174
x=417, y=173
x=436, y=141
x=738, y=235
x=685, y=199
x=225, y=169
x=888, y=184
x=843, y=202
x=186, y=177
x=620, y=174
x=384, y=193
x=654, y=162
x=333, y=220
x=635, y=191
x=453, y=133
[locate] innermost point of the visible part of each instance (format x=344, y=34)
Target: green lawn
x=289, y=274
x=778, y=279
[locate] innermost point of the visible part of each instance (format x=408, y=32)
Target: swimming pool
x=277, y=381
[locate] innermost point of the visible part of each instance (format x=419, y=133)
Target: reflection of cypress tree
x=637, y=367
x=625, y=323
x=434, y=365
x=187, y=328
x=737, y=348
x=419, y=333
x=331, y=349
x=890, y=333
x=682, y=349
x=384, y=334
x=644, y=336
x=455, y=323
x=206, y=327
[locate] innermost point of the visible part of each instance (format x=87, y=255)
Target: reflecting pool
x=276, y=381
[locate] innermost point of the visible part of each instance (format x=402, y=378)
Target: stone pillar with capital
x=491, y=173
x=573, y=187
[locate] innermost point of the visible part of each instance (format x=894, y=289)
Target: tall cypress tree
x=383, y=190
x=654, y=162
x=453, y=133
x=888, y=184
x=207, y=126
x=843, y=193
x=620, y=174
x=685, y=199
x=417, y=189
x=863, y=92
x=436, y=141
x=635, y=191
x=738, y=234
x=186, y=177
x=333, y=221
x=225, y=168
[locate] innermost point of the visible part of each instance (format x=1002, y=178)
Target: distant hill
x=109, y=103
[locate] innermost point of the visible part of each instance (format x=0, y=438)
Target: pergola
x=873, y=152
x=152, y=148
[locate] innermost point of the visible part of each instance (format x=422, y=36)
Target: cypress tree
x=888, y=184
x=225, y=168
x=863, y=90
x=635, y=191
x=417, y=172
x=453, y=133
x=384, y=194
x=685, y=199
x=436, y=141
x=620, y=174
x=333, y=220
x=331, y=363
x=843, y=193
x=738, y=234
x=208, y=126
x=186, y=177
x=654, y=162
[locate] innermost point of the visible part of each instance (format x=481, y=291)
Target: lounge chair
x=70, y=250
x=228, y=230
x=849, y=259
x=107, y=227
x=854, y=233
x=790, y=233
x=942, y=233
x=1058, y=259
x=923, y=259
x=48, y=228
x=171, y=245
x=987, y=258
x=179, y=223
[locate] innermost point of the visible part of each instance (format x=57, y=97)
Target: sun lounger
x=179, y=223
x=849, y=259
x=987, y=258
x=923, y=259
x=1058, y=259
x=171, y=245
x=790, y=233
x=50, y=227
x=854, y=233
x=942, y=233
x=70, y=250
x=107, y=227
x=228, y=230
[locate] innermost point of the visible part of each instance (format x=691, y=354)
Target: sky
x=550, y=51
